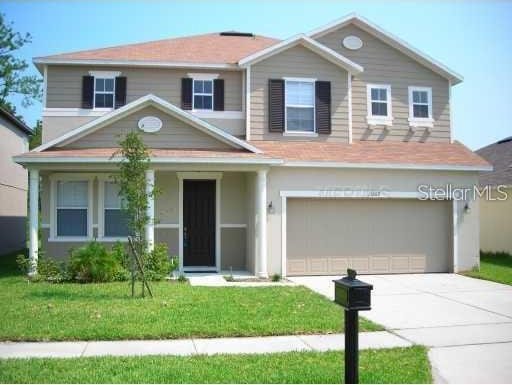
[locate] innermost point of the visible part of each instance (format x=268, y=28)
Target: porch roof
x=362, y=154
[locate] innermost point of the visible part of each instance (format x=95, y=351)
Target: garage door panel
x=325, y=236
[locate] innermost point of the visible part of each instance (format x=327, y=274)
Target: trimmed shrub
x=48, y=269
x=158, y=264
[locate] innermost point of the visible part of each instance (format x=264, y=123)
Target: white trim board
x=392, y=40
x=330, y=194
x=136, y=105
x=314, y=46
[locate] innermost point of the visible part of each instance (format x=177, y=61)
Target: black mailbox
x=352, y=293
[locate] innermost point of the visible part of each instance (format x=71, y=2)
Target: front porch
x=223, y=229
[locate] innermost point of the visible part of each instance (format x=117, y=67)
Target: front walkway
x=466, y=322
x=186, y=347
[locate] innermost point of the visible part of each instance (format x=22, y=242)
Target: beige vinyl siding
x=384, y=64
x=298, y=62
x=55, y=126
x=326, y=236
x=65, y=84
x=174, y=133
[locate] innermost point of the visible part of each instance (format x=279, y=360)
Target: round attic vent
x=150, y=124
x=352, y=42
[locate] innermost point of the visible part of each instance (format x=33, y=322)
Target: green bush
x=94, y=263
x=158, y=264
x=275, y=277
x=48, y=269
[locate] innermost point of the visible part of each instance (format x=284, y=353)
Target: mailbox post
x=353, y=295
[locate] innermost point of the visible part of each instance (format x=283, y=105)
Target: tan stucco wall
x=281, y=178
x=496, y=222
x=298, y=62
x=174, y=133
x=55, y=126
x=13, y=188
x=384, y=64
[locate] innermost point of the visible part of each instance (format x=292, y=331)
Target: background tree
x=132, y=182
x=12, y=80
x=36, y=137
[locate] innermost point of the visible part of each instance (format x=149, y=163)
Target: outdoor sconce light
x=353, y=295
x=270, y=208
x=467, y=208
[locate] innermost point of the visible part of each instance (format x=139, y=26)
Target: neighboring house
x=301, y=156
x=13, y=183
x=496, y=214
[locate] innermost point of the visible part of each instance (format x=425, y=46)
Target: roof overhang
x=40, y=62
x=392, y=40
x=145, y=101
x=301, y=39
x=387, y=166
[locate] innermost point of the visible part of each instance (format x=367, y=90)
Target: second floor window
x=379, y=101
x=300, y=106
x=104, y=92
x=203, y=95
x=420, y=103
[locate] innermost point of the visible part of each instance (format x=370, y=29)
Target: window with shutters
x=420, y=106
x=379, y=104
x=104, y=89
x=115, y=222
x=72, y=208
x=300, y=106
x=202, y=94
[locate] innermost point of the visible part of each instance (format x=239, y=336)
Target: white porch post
x=261, y=224
x=150, y=227
x=33, y=220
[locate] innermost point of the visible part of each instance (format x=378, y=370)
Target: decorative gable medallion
x=352, y=42
x=150, y=124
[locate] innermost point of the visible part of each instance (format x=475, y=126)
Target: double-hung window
x=379, y=104
x=203, y=95
x=300, y=106
x=114, y=218
x=104, y=92
x=420, y=106
x=72, y=208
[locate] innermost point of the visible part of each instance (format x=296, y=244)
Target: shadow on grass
x=8, y=265
x=498, y=258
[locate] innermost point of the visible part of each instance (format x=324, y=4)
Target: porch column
x=261, y=223
x=150, y=227
x=33, y=220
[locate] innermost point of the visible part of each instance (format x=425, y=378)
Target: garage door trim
x=369, y=194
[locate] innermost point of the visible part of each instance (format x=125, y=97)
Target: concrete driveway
x=466, y=322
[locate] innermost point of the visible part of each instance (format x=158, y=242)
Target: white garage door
x=325, y=236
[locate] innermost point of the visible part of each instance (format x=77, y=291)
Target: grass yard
x=495, y=267
x=62, y=312
x=401, y=365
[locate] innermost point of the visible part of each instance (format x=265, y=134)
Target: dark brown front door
x=199, y=223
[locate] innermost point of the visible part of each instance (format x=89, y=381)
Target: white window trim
x=105, y=93
x=299, y=133
x=102, y=179
x=420, y=122
x=63, y=177
x=379, y=120
x=202, y=76
x=194, y=109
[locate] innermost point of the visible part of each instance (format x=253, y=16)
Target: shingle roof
x=449, y=154
x=14, y=120
x=444, y=155
x=210, y=48
x=499, y=154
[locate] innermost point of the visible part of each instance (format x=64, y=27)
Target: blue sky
x=474, y=38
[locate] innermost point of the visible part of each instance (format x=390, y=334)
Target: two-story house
x=296, y=157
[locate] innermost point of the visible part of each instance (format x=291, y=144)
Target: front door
x=199, y=223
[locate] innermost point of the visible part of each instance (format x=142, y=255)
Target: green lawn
x=401, y=365
x=58, y=312
x=495, y=267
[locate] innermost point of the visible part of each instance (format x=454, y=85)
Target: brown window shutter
x=186, y=93
x=323, y=107
x=218, y=94
x=120, y=91
x=87, y=91
x=276, y=105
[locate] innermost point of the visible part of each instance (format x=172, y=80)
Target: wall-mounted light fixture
x=270, y=208
x=467, y=208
